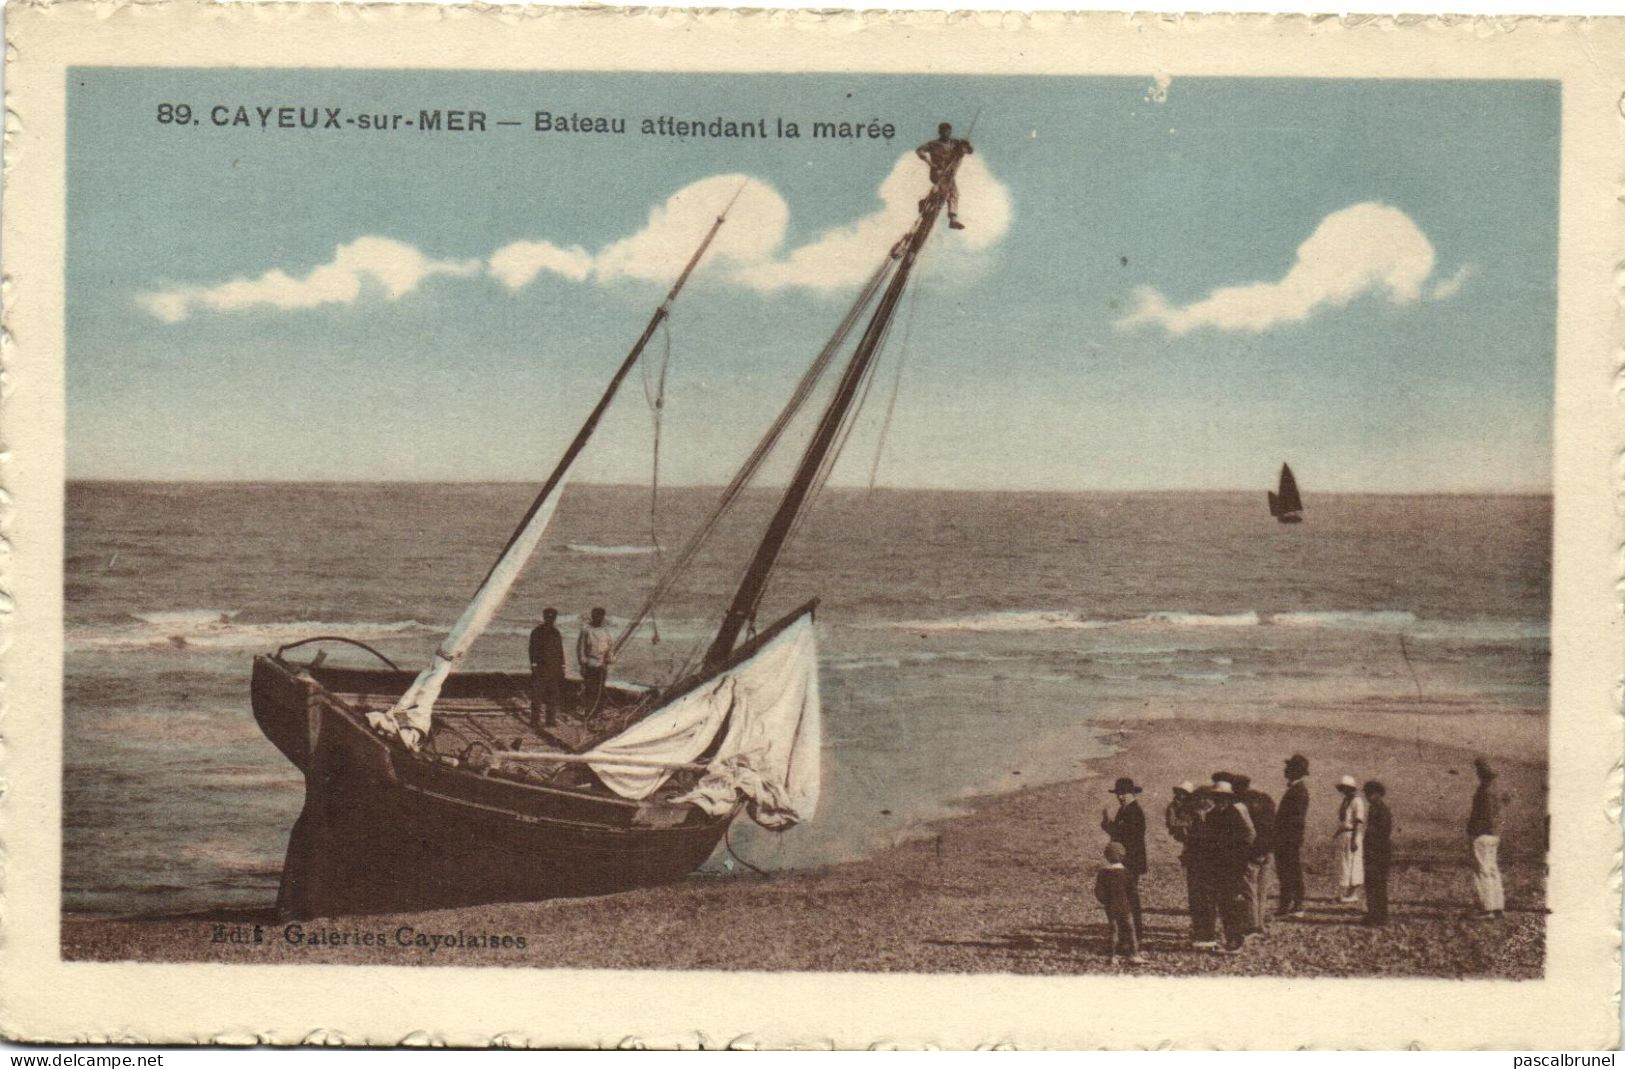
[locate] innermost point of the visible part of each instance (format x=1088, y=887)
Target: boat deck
x=466, y=725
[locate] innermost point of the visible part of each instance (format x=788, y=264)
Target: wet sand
x=1007, y=888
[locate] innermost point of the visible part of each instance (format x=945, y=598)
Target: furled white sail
x=412, y=715
x=767, y=708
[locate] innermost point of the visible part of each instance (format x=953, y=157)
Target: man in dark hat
x=941, y=155
x=1291, y=821
x=1484, y=834
x=546, y=669
x=1128, y=828
x=1379, y=853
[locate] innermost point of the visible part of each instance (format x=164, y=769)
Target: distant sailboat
x=1285, y=504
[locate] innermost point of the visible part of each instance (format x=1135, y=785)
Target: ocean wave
x=218, y=629
x=1022, y=620
x=607, y=551
x=1482, y=631
x=1396, y=620
x=235, y=858
x=186, y=617
x=1013, y=620
x=1198, y=619
x=860, y=662
x=1354, y=620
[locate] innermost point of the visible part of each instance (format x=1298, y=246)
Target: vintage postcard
x=582, y=527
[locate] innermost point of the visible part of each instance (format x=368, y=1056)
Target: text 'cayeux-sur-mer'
x=322, y=118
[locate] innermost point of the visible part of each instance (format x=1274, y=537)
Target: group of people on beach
x=1228, y=831
x=595, y=650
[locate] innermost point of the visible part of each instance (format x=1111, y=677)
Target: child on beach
x=1112, y=891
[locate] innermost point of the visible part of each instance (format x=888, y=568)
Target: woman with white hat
x=1349, y=837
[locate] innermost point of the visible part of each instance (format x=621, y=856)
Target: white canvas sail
x=413, y=714
x=767, y=706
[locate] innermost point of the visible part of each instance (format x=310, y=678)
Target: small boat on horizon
x=1285, y=504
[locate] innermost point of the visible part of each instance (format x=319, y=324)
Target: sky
x=1163, y=284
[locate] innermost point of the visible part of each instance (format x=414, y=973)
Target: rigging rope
x=902, y=352
x=826, y=467
x=835, y=436
x=747, y=471
x=727, y=843
x=897, y=383
x=849, y=422
x=655, y=396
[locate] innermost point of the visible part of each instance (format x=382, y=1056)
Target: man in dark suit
x=1128, y=828
x=1379, y=854
x=1291, y=820
x=546, y=669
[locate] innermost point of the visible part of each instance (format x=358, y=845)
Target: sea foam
x=1028, y=620
x=218, y=629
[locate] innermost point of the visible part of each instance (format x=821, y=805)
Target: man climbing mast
x=827, y=434
x=942, y=155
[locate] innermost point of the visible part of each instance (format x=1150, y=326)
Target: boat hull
x=384, y=830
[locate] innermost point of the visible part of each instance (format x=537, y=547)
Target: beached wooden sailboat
x=433, y=789
x=1285, y=504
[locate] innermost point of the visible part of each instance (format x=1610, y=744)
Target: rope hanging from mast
x=827, y=467
x=747, y=471
x=411, y=716
x=896, y=386
x=830, y=425
x=655, y=395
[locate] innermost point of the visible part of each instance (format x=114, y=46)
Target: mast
x=416, y=706
x=579, y=443
x=760, y=569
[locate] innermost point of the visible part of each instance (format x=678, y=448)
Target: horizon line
x=1468, y=492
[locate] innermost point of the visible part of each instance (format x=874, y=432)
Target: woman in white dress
x=1349, y=841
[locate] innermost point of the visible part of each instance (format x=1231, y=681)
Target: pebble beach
x=1006, y=887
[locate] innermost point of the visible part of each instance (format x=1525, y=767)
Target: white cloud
x=756, y=226
x=516, y=265
x=1447, y=288
x=1363, y=249
x=749, y=251
x=847, y=255
x=395, y=267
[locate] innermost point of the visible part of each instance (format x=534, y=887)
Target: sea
x=971, y=643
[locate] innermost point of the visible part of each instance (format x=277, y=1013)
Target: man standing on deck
x=1484, y=835
x=1128, y=828
x=595, y=649
x=546, y=669
x=1291, y=821
x=941, y=155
